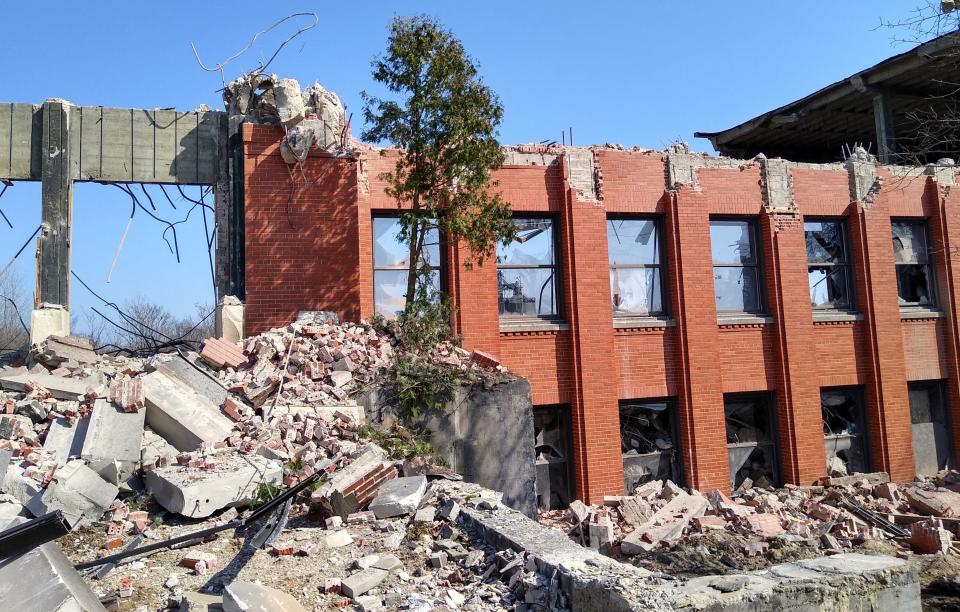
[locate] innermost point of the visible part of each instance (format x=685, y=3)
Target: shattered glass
x=750, y=442
x=909, y=242
x=843, y=428
x=828, y=264
x=633, y=241
x=824, y=242
x=526, y=272
x=533, y=246
x=647, y=443
x=635, y=290
x=913, y=264
x=390, y=288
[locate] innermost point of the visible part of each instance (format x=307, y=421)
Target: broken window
x=736, y=265
x=391, y=259
x=648, y=442
x=527, y=271
x=912, y=256
x=751, y=446
x=844, y=432
x=551, y=428
x=633, y=248
x=828, y=264
x=931, y=433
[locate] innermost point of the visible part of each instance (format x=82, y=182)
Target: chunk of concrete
x=240, y=596
x=183, y=417
x=340, y=378
x=69, y=351
x=112, y=445
x=77, y=491
x=326, y=413
x=199, y=493
x=359, y=583
x=192, y=374
x=666, y=524
x=49, y=320
x=12, y=426
x=65, y=438
x=228, y=320
x=399, y=496
x=61, y=388
x=290, y=109
x=44, y=579
x=191, y=601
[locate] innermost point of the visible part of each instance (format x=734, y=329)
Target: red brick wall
x=588, y=365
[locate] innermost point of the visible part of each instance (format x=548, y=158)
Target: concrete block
x=240, y=596
x=13, y=426
x=340, y=378
x=289, y=101
x=70, y=351
x=198, y=493
x=61, y=388
x=228, y=319
x=65, y=438
x=399, y=496
x=183, y=417
x=112, y=445
x=192, y=601
x=44, y=579
x=76, y=490
x=51, y=320
x=359, y=583
x=426, y=514
x=188, y=372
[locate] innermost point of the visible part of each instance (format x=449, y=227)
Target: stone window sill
x=642, y=322
x=743, y=318
x=520, y=325
x=834, y=316
x=919, y=312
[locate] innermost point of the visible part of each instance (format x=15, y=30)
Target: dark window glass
x=751, y=444
x=527, y=283
x=912, y=256
x=930, y=426
x=633, y=249
x=736, y=265
x=828, y=264
x=390, y=265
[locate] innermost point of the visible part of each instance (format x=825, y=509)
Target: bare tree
x=143, y=327
x=930, y=129
x=14, y=306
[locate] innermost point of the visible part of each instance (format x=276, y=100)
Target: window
x=552, y=434
x=391, y=262
x=844, y=433
x=751, y=448
x=527, y=271
x=633, y=248
x=929, y=423
x=736, y=265
x=648, y=442
x=912, y=256
x=828, y=264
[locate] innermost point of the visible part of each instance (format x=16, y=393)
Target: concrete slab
x=44, y=579
x=399, y=496
x=112, y=444
x=240, y=596
x=186, y=372
x=198, y=494
x=359, y=583
x=65, y=438
x=79, y=492
x=61, y=388
x=184, y=418
x=200, y=602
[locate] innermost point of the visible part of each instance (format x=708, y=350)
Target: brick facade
x=308, y=246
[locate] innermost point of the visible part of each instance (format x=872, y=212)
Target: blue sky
x=634, y=73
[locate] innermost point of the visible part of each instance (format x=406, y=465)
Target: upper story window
x=391, y=259
x=633, y=247
x=911, y=253
x=828, y=264
x=527, y=283
x=736, y=265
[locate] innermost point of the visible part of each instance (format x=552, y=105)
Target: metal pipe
x=26, y=536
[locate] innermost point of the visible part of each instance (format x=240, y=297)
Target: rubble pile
x=841, y=514
x=123, y=446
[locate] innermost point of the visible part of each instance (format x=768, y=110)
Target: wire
x=17, y=311
x=6, y=185
x=14, y=258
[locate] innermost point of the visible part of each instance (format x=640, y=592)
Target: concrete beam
x=883, y=119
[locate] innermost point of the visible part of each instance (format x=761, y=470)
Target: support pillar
x=886, y=136
x=53, y=245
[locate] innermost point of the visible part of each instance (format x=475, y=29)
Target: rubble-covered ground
x=134, y=452
x=684, y=533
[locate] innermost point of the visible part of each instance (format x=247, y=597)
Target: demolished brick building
x=678, y=315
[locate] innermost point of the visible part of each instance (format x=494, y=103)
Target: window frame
x=861, y=438
x=768, y=402
x=440, y=267
x=847, y=264
x=931, y=275
x=753, y=223
x=674, y=453
x=557, y=268
x=664, y=311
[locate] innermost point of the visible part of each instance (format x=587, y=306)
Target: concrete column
x=703, y=437
x=883, y=120
x=888, y=411
x=53, y=247
x=800, y=432
x=228, y=320
x=595, y=410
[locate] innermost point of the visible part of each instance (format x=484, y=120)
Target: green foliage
x=265, y=492
x=401, y=443
x=419, y=384
x=445, y=120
